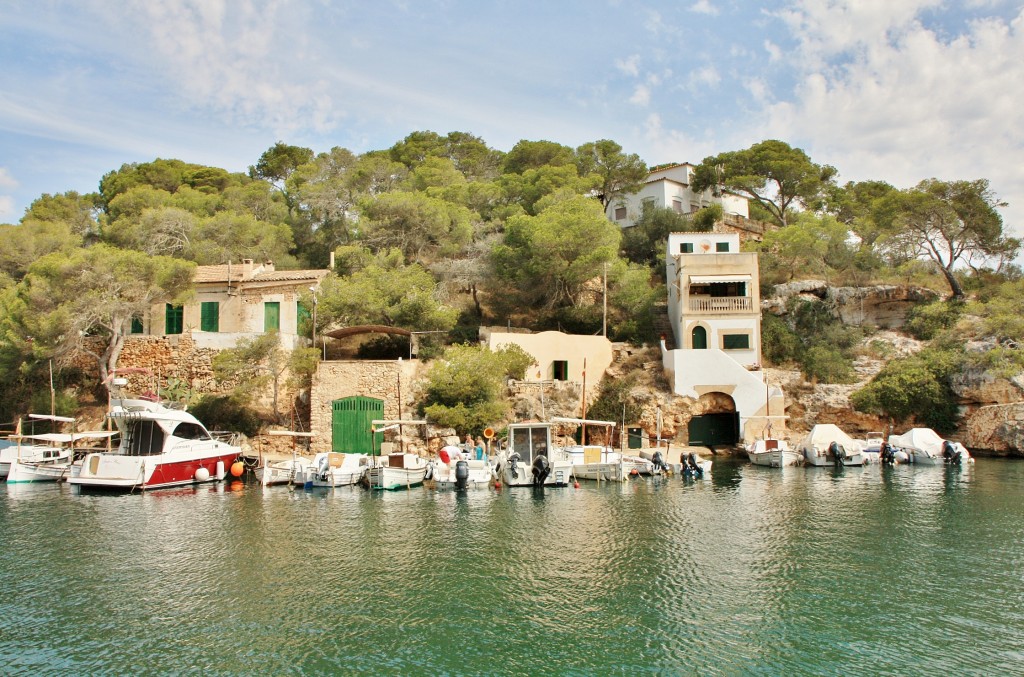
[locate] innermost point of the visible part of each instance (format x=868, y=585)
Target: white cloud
x=641, y=95
x=703, y=7
x=630, y=65
x=705, y=77
x=6, y=207
x=774, y=51
x=6, y=180
x=907, y=103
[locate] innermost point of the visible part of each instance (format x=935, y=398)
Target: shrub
x=221, y=412
x=916, y=387
x=926, y=321
x=827, y=364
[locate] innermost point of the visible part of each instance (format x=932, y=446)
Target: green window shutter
x=174, y=317
x=209, y=319
x=272, y=316
x=736, y=342
x=686, y=248
x=137, y=327
x=721, y=246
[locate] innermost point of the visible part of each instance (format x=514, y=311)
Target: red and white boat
x=160, y=447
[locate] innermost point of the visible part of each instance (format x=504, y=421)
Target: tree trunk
x=954, y=284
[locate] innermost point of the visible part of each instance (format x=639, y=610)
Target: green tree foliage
x=385, y=291
x=615, y=400
x=809, y=246
x=168, y=176
x=258, y=362
x=536, y=155
x=645, y=242
x=545, y=261
x=468, y=153
x=925, y=322
x=915, y=388
x=421, y=227
x=632, y=302
x=528, y=189
x=613, y=172
x=776, y=176
x=64, y=301
x=812, y=338
x=28, y=242
x=326, y=194
x=225, y=412
x=465, y=389
x=277, y=164
x=948, y=222
x=80, y=213
x=780, y=344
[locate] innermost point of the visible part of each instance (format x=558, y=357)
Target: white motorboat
x=926, y=447
x=284, y=471
x=772, y=452
x=529, y=459
x=601, y=462
x=160, y=447
x=827, y=444
x=32, y=448
x=397, y=471
x=692, y=466
x=456, y=469
x=871, y=446
x=37, y=471
x=334, y=469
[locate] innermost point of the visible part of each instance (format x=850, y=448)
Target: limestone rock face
x=879, y=305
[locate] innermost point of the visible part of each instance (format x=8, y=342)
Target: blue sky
x=899, y=90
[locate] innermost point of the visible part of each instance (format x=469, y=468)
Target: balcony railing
x=721, y=304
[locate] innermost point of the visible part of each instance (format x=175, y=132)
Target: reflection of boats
x=925, y=447
x=827, y=444
x=772, y=452
x=396, y=471
x=160, y=447
x=529, y=459
x=455, y=469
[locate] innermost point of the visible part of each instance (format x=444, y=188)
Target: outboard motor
x=541, y=469
x=886, y=454
x=513, y=465
x=691, y=468
x=461, y=474
x=430, y=471
x=838, y=454
x=658, y=461
x=950, y=453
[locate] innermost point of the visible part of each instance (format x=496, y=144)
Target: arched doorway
x=699, y=338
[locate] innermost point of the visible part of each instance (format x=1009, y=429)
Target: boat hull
x=117, y=472
x=560, y=475
x=393, y=479
x=823, y=461
x=775, y=458
x=443, y=476
x=22, y=472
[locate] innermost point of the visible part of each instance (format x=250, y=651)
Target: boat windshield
x=530, y=441
x=144, y=438
x=191, y=431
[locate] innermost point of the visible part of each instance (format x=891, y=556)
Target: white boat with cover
x=826, y=444
x=529, y=459
x=455, y=468
x=772, y=452
x=926, y=447
x=399, y=470
x=335, y=469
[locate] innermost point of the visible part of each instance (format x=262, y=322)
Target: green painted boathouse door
x=350, y=424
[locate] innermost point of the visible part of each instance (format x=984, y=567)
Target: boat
x=926, y=447
x=334, y=469
x=871, y=447
x=41, y=448
x=827, y=444
x=692, y=466
x=398, y=470
x=772, y=452
x=529, y=459
x=160, y=447
x=602, y=462
x=456, y=468
x=284, y=471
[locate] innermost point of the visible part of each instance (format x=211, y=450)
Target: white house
x=715, y=312
x=668, y=186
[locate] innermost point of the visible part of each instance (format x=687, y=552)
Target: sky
x=896, y=90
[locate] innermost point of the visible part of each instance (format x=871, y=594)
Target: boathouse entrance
x=714, y=429
x=351, y=423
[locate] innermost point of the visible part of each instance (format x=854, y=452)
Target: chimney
x=246, y=269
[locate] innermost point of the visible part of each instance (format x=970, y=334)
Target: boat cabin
x=530, y=440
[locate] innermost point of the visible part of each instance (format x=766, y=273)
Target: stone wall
x=380, y=379
x=165, y=356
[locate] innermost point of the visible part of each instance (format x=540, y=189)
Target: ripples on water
x=754, y=571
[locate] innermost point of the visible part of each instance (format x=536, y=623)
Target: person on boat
x=480, y=446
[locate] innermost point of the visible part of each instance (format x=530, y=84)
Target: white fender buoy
x=220, y=470
x=202, y=474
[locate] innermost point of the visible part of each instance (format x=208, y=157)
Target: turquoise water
x=753, y=571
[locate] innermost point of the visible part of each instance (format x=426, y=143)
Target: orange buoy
x=497, y=485
x=576, y=484
x=237, y=468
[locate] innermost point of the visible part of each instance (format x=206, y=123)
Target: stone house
x=235, y=301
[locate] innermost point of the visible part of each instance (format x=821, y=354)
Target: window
x=686, y=248
x=620, y=213
x=187, y=430
x=174, y=319
x=272, y=316
x=721, y=246
x=560, y=370
x=210, y=316
x=736, y=342
x=677, y=206
x=137, y=327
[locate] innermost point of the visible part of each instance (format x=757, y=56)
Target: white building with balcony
x=714, y=309
x=668, y=186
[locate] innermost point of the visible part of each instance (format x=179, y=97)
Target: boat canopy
x=824, y=434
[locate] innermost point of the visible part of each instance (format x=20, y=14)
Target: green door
x=700, y=338
x=350, y=425
x=272, y=316
x=714, y=429
x=635, y=438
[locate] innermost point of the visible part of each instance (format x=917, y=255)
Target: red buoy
x=576, y=484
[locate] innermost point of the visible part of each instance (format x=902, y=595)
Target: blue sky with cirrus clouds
x=899, y=91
